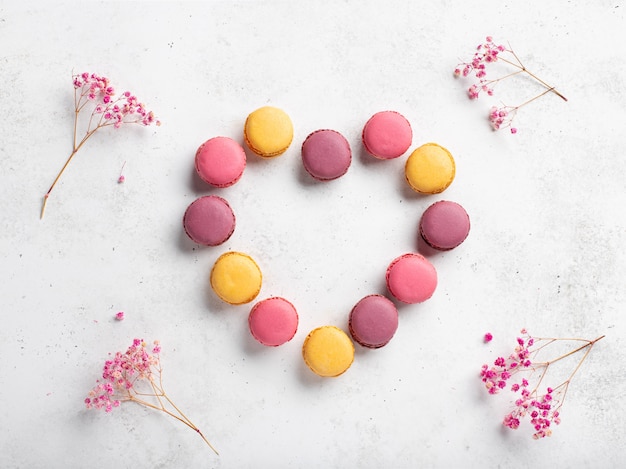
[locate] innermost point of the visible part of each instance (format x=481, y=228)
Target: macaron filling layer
x=273, y=321
x=444, y=225
x=387, y=135
x=220, y=161
x=209, y=220
x=326, y=154
x=411, y=278
x=373, y=321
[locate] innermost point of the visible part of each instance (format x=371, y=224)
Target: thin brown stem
x=181, y=417
x=76, y=148
x=522, y=68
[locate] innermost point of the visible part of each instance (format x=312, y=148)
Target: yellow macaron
x=328, y=351
x=268, y=131
x=236, y=278
x=430, y=169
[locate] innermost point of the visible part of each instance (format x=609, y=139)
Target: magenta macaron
x=373, y=321
x=387, y=135
x=444, y=225
x=411, y=278
x=209, y=220
x=273, y=321
x=326, y=154
x=220, y=161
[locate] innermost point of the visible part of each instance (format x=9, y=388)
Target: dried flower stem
x=543, y=409
x=107, y=111
x=125, y=372
x=488, y=53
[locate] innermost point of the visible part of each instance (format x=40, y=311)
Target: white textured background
x=546, y=250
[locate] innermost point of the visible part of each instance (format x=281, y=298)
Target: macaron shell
x=411, y=278
x=430, y=169
x=268, y=131
x=326, y=154
x=236, y=278
x=444, y=225
x=373, y=321
x=387, y=135
x=209, y=220
x=328, y=351
x=273, y=321
x=220, y=161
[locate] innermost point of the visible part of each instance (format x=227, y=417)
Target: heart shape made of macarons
x=326, y=155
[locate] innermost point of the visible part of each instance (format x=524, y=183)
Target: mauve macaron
x=387, y=135
x=373, y=321
x=209, y=220
x=411, y=278
x=273, y=321
x=326, y=154
x=444, y=225
x=220, y=161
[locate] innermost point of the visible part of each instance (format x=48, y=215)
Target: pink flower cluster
x=115, y=111
x=121, y=373
x=543, y=410
x=502, y=117
x=106, y=110
x=136, y=376
x=496, y=377
x=486, y=53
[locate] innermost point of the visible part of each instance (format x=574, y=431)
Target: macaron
x=220, y=161
x=387, y=135
x=373, y=321
x=444, y=225
x=209, y=220
x=411, y=278
x=273, y=321
x=268, y=131
x=236, y=278
x=328, y=351
x=430, y=169
x=326, y=154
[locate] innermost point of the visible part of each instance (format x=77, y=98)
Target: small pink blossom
x=120, y=316
x=488, y=337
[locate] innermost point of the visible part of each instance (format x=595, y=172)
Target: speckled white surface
x=545, y=251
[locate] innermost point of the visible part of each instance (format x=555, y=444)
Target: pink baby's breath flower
x=488, y=337
x=542, y=408
x=94, y=92
x=487, y=54
x=120, y=316
x=135, y=376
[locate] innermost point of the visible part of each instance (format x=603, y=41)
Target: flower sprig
x=95, y=95
x=489, y=53
x=136, y=376
x=522, y=366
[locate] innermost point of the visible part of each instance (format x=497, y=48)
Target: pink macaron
x=373, y=321
x=220, y=161
x=326, y=154
x=387, y=135
x=209, y=220
x=273, y=321
x=411, y=278
x=444, y=225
